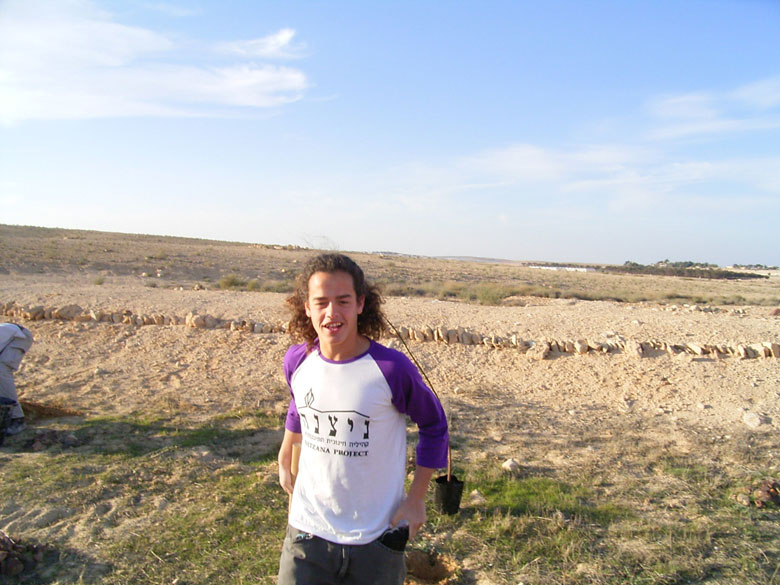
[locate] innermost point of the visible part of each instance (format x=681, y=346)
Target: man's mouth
x=334, y=326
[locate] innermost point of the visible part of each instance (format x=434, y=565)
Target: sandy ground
x=501, y=402
x=102, y=367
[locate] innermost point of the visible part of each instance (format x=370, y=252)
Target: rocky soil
x=565, y=408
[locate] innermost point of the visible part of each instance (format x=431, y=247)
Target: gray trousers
x=10, y=357
x=310, y=560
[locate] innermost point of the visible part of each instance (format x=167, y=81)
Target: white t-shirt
x=352, y=416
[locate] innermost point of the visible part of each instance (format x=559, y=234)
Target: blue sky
x=563, y=131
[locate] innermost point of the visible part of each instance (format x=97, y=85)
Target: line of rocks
x=127, y=317
x=540, y=349
x=617, y=344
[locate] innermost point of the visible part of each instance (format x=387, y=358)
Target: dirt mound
x=39, y=411
x=17, y=557
x=430, y=568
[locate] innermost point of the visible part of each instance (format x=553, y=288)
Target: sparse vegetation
x=231, y=281
x=683, y=269
x=504, y=293
x=632, y=470
x=188, y=261
x=279, y=286
x=201, y=502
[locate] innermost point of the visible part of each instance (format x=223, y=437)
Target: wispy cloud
x=624, y=180
x=752, y=107
x=66, y=59
x=275, y=46
x=764, y=94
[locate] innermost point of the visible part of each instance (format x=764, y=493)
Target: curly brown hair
x=371, y=322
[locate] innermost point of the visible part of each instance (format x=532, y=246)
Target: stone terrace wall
x=538, y=349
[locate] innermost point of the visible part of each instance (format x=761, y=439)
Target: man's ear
x=308, y=311
x=361, y=301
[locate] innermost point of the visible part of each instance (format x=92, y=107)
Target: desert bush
x=732, y=300
x=278, y=286
x=231, y=281
x=99, y=280
x=403, y=289
x=492, y=294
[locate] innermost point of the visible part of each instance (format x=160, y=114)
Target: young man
x=349, y=515
x=15, y=340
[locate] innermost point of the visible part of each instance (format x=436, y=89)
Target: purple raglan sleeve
x=292, y=359
x=411, y=396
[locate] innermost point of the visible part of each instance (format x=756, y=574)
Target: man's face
x=333, y=307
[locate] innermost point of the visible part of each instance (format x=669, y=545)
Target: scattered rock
x=70, y=440
x=761, y=494
x=634, y=348
x=753, y=419
x=539, y=351
x=17, y=557
x=45, y=439
x=477, y=499
x=67, y=313
x=511, y=466
x=697, y=349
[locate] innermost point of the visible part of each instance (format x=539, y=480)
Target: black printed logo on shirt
x=343, y=433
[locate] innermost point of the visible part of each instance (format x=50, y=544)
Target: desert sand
x=88, y=366
x=502, y=403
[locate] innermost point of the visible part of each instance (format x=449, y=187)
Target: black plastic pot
x=447, y=494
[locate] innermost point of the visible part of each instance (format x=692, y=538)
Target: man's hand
x=286, y=479
x=285, y=460
x=412, y=512
x=412, y=509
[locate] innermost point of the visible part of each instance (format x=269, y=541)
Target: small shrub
x=493, y=294
x=99, y=280
x=253, y=285
x=733, y=300
x=278, y=286
x=231, y=281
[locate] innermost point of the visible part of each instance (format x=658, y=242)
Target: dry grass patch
x=151, y=499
